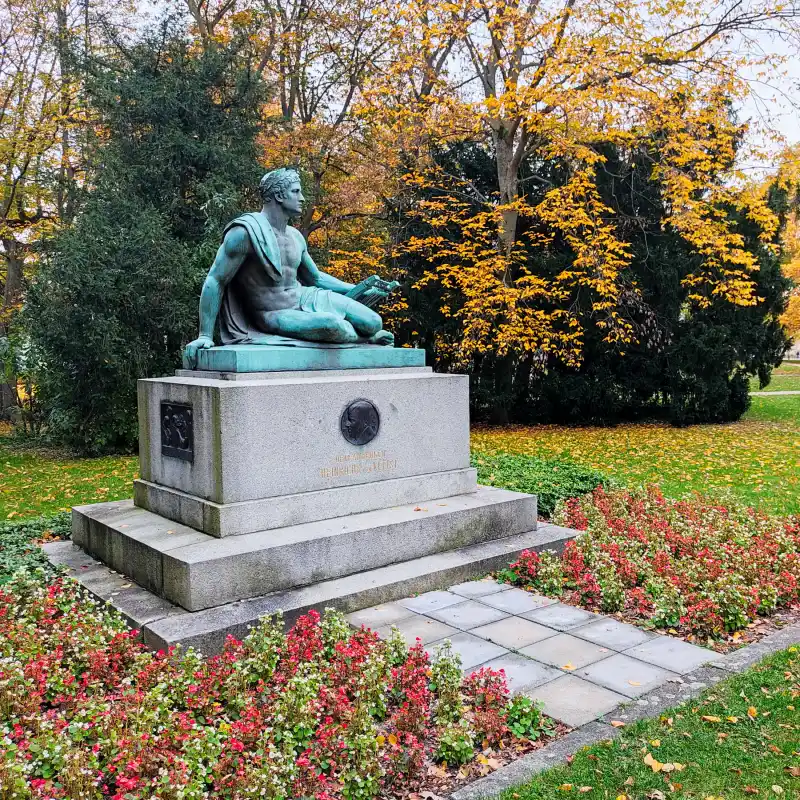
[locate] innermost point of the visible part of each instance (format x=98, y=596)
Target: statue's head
x=282, y=186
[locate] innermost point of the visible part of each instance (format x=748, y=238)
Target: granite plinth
x=259, y=439
x=299, y=373
x=271, y=358
x=163, y=624
x=198, y=571
x=230, y=519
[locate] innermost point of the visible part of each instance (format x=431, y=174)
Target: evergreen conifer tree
x=116, y=295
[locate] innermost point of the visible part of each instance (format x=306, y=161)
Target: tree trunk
x=7, y=400
x=11, y=296
x=522, y=378
x=503, y=389
x=508, y=183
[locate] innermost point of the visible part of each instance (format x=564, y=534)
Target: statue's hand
x=375, y=294
x=191, y=349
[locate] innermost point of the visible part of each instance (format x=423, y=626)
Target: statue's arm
x=232, y=252
x=230, y=256
x=310, y=274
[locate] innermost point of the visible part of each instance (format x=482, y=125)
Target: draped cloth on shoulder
x=233, y=323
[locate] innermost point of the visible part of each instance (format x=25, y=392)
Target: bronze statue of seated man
x=263, y=283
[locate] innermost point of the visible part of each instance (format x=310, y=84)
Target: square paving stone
x=522, y=673
x=418, y=627
x=565, y=649
x=479, y=588
x=377, y=616
x=574, y=701
x=672, y=654
x=430, y=601
x=517, y=601
x=513, y=632
x=613, y=634
x=468, y=614
x=626, y=675
x=472, y=649
x=561, y=617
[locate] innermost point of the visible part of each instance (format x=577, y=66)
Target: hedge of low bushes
x=551, y=480
x=322, y=711
x=692, y=566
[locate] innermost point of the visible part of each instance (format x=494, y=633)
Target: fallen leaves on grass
x=753, y=459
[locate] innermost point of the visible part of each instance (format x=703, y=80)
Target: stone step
x=198, y=571
x=234, y=519
x=163, y=624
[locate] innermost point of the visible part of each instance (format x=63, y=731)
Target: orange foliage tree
x=553, y=80
x=787, y=180
x=317, y=55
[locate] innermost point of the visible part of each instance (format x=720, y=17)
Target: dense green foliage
x=688, y=366
x=550, y=479
x=116, y=295
x=18, y=547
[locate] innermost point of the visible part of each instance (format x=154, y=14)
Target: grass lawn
x=36, y=481
x=755, y=459
x=740, y=740
x=784, y=378
x=781, y=408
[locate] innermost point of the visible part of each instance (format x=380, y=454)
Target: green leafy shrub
x=551, y=480
x=524, y=717
x=456, y=744
x=446, y=683
x=18, y=548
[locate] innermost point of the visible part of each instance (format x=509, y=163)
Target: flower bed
x=321, y=711
x=694, y=568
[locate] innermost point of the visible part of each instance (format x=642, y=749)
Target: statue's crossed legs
x=325, y=316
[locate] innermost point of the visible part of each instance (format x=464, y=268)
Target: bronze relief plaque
x=177, y=431
x=360, y=422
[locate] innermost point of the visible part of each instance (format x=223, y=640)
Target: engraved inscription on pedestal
x=364, y=463
x=177, y=431
x=360, y=422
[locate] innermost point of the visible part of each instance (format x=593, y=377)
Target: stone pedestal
x=268, y=451
x=258, y=485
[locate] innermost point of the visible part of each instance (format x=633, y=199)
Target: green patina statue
x=264, y=286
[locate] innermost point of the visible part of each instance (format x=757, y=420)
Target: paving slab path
x=581, y=665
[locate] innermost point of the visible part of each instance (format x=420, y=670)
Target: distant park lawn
x=37, y=481
x=785, y=378
x=756, y=459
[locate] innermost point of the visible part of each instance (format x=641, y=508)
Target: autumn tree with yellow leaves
x=316, y=55
x=787, y=182
x=43, y=133
x=537, y=80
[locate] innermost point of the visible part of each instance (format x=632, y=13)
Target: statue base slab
x=230, y=519
x=306, y=356
x=162, y=624
x=197, y=571
x=298, y=487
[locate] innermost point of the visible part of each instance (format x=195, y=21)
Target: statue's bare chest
x=287, y=247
